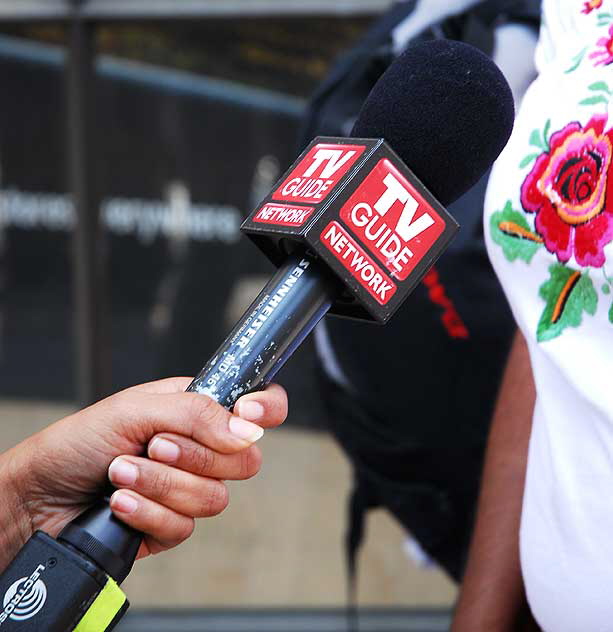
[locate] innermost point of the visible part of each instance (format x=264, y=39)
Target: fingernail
x=245, y=430
x=164, y=450
x=253, y=411
x=124, y=503
x=121, y=472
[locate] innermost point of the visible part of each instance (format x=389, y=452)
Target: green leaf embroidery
x=568, y=294
x=527, y=160
x=606, y=288
x=611, y=314
x=577, y=61
x=546, y=134
x=511, y=231
x=536, y=140
x=600, y=86
x=594, y=100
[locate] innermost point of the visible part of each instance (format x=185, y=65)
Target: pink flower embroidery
x=589, y=6
x=567, y=189
x=604, y=55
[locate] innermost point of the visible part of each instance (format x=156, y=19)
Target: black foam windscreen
x=446, y=110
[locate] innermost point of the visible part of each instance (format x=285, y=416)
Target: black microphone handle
x=281, y=317
x=274, y=326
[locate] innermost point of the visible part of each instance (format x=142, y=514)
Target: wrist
x=15, y=523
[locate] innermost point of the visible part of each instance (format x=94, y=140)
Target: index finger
x=140, y=415
x=268, y=408
x=165, y=386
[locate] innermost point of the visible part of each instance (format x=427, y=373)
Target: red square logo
x=318, y=173
x=392, y=220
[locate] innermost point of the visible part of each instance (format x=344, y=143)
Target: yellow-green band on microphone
x=104, y=610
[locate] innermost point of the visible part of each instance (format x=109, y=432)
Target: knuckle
x=181, y=530
x=185, y=530
x=214, y=501
x=202, y=410
x=276, y=404
x=251, y=462
x=160, y=480
x=125, y=417
x=202, y=460
x=202, y=407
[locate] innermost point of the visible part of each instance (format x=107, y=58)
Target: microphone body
x=281, y=317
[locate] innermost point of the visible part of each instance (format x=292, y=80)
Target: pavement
x=279, y=543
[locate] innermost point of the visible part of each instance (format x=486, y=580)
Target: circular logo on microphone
x=26, y=597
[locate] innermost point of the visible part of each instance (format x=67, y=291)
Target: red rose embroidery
x=567, y=189
x=588, y=7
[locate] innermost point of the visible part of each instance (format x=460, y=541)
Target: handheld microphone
x=353, y=230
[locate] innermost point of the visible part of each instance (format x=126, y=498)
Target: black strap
x=361, y=500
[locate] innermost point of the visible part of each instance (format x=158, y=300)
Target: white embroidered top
x=549, y=226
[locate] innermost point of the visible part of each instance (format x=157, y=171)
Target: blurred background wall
x=193, y=122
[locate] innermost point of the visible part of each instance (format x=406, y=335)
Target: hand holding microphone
x=193, y=445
